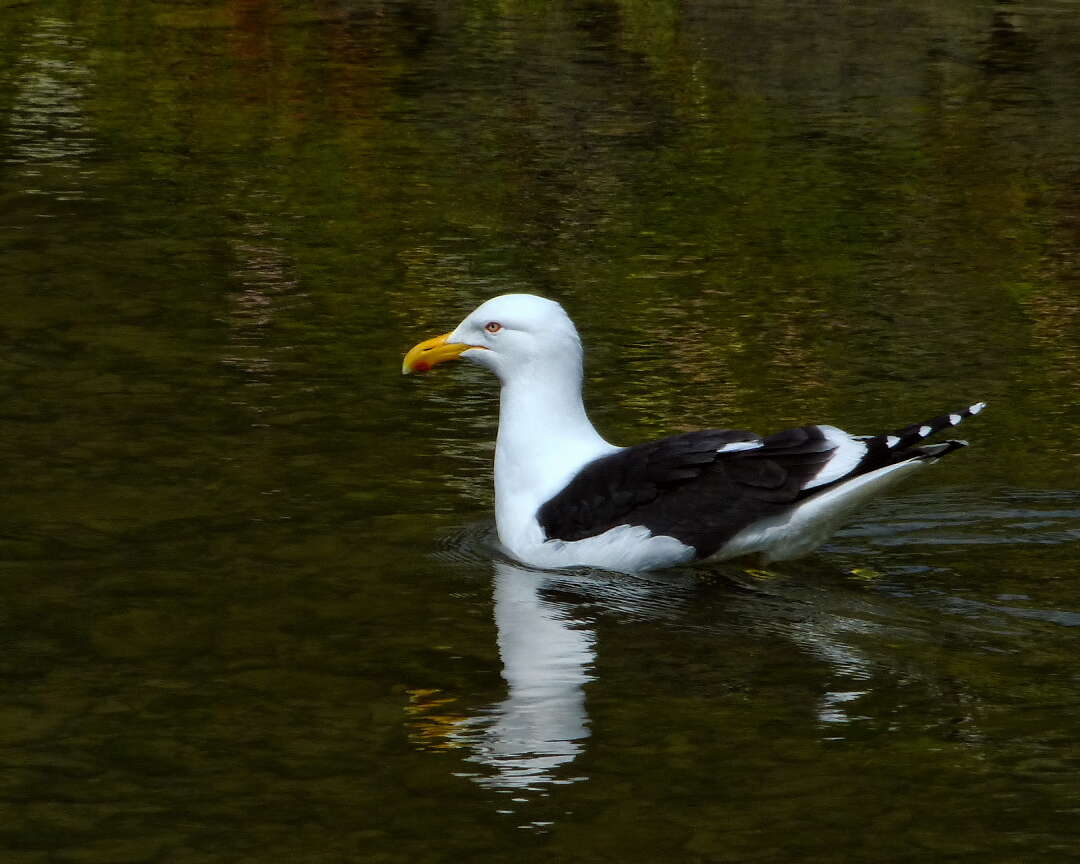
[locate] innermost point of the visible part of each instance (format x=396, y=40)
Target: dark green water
x=250, y=610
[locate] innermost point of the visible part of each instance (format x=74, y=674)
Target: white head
x=544, y=433
x=513, y=335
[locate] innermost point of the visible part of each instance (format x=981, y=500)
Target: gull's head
x=510, y=335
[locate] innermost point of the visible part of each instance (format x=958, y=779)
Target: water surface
x=251, y=606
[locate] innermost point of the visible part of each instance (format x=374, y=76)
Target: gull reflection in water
x=547, y=655
x=528, y=740
x=846, y=624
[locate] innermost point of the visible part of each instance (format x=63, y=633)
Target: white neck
x=545, y=437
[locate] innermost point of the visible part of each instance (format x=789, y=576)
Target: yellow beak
x=431, y=353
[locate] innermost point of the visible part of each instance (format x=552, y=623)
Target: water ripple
x=1015, y=517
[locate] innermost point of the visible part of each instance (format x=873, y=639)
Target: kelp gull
x=564, y=496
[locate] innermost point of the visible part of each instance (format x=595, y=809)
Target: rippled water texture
x=252, y=609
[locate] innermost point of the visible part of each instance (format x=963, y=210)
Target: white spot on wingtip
x=977, y=407
x=925, y=430
x=955, y=419
x=891, y=441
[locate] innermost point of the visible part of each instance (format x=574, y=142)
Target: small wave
x=979, y=608
x=1013, y=517
x=471, y=545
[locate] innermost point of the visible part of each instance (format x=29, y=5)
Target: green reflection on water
x=250, y=610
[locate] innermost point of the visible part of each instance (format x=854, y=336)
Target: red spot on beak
x=421, y=367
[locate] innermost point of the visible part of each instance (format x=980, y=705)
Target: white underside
x=813, y=521
x=627, y=549
x=796, y=532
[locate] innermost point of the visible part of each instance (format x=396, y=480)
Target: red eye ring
x=493, y=327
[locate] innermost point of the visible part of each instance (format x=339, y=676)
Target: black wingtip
x=911, y=435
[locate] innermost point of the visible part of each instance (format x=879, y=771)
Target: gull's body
x=564, y=496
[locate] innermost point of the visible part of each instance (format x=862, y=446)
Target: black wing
x=704, y=487
x=701, y=487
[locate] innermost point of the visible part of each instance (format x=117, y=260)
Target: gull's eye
x=493, y=327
